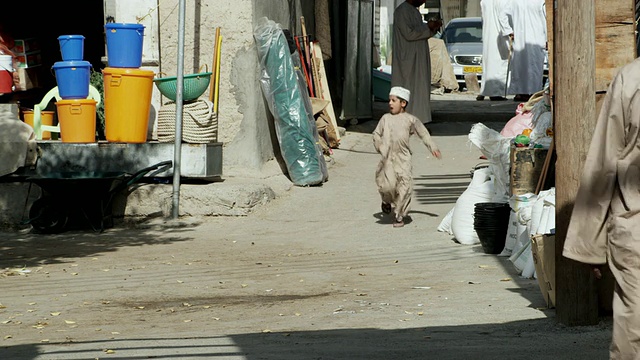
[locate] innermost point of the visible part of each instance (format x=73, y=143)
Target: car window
x=463, y=33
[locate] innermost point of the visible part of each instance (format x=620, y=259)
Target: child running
x=391, y=141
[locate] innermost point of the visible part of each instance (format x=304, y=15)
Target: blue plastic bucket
x=72, y=78
x=71, y=47
x=124, y=45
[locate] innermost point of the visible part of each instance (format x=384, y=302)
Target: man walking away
x=410, y=60
x=496, y=27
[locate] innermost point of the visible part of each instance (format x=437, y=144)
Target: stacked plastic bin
x=76, y=113
x=127, y=88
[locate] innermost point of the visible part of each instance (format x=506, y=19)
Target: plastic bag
x=290, y=105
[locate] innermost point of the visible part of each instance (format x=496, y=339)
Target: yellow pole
x=217, y=79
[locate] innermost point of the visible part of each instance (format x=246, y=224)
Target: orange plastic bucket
x=127, y=102
x=46, y=118
x=77, y=118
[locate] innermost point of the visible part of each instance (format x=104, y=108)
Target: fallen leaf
x=115, y=333
x=505, y=279
x=362, y=274
x=75, y=273
x=186, y=321
x=69, y=322
x=244, y=285
x=420, y=313
x=32, y=303
x=186, y=304
x=422, y=287
x=473, y=282
x=216, y=318
x=180, y=281
x=140, y=307
x=408, y=312
x=108, y=351
x=8, y=336
x=55, y=313
x=298, y=314
x=44, y=340
x=266, y=331
x=362, y=294
x=6, y=321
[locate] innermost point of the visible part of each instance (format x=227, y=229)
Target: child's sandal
x=386, y=208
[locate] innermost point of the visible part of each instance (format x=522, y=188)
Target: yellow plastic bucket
x=127, y=102
x=77, y=118
x=46, y=117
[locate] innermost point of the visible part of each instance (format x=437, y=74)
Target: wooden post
x=574, y=114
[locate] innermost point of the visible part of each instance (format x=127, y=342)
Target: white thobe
x=530, y=39
x=496, y=28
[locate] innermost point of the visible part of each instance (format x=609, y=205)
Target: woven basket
x=199, y=122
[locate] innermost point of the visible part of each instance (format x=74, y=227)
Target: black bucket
x=491, y=223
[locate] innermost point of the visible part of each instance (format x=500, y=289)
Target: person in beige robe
x=605, y=222
x=391, y=140
x=411, y=63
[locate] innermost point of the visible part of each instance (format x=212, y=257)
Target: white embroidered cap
x=400, y=92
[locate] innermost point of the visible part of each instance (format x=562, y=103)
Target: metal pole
x=177, y=154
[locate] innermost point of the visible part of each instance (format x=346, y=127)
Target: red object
x=6, y=82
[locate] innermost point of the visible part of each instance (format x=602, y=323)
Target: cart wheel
x=47, y=216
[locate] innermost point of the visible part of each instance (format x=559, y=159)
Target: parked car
x=463, y=39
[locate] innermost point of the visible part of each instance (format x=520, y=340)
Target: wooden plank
x=615, y=39
x=574, y=114
x=550, y=20
x=326, y=95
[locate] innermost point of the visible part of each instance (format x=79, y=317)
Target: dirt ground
x=317, y=273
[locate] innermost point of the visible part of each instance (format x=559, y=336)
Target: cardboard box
x=23, y=46
x=543, y=249
x=29, y=78
x=28, y=60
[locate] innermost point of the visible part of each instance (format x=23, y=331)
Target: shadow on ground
x=531, y=339
x=30, y=249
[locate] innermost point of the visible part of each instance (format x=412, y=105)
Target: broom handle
x=545, y=168
x=306, y=54
x=213, y=66
x=218, y=54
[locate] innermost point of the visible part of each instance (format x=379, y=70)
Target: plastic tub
x=127, y=102
x=46, y=118
x=72, y=78
x=124, y=44
x=77, y=120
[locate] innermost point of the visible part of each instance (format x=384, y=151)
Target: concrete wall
x=243, y=116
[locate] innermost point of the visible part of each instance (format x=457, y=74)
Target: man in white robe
x=605, y=223
x=411, y=62
x=529, y=42
x=496, y=27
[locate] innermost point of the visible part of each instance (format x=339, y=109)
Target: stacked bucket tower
x=127, y=88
